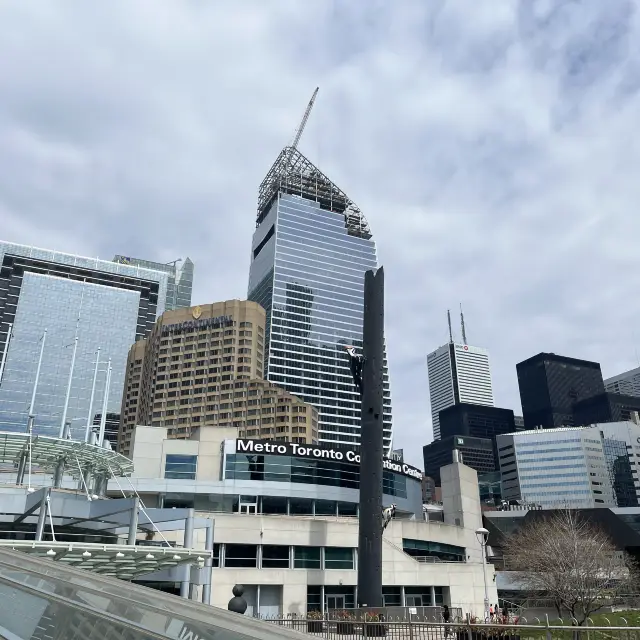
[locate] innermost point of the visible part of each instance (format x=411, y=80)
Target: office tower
x=458, y=373
x=572, y=467
x=84, y=304
x=626, y=384
x=310, y=251
x=477, y=421
x=551, y=384
x=179, y=278
x=606, y=407
x=202, y=367
x=477, y=453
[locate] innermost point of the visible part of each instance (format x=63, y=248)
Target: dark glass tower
x=551, y=384
x=310, y=251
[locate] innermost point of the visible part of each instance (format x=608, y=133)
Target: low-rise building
x=286, y=521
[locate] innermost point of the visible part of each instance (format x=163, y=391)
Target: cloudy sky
x=492, y=145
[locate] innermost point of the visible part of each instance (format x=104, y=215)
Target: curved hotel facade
x=310, y=251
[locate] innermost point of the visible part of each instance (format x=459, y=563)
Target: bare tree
x=568, y=559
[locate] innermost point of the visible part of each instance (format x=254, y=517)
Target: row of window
x=302, y=470
x=252, y=556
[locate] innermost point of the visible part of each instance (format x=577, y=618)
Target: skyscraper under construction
x=311, y=248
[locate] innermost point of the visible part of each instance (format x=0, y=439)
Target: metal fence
x=349, y=629
x=397, y=614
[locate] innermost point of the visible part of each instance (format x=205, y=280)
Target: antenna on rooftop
x=464, y=333
x=449, y=322
x=303, y=123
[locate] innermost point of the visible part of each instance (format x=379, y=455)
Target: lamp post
x=483, y=535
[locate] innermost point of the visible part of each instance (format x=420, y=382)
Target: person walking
x=446, y=617
x=491, y=613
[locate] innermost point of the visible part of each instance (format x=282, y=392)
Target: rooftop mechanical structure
x=293, y=173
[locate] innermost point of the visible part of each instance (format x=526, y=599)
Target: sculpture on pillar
x=368, y=376
x=356, y=364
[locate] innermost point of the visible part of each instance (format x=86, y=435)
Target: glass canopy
x=43, y=600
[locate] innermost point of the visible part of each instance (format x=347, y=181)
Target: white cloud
x=490, y=144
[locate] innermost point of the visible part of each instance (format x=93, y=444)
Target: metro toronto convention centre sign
x=319, y=452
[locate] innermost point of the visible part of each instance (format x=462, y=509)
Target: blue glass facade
x=309, y=257
x=106, y=305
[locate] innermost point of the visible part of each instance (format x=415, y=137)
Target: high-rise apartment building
x=84, y=305
x=310, y=251
x=458, y=373
x=202, y=367
x=551, y=384
x=179, y=278
x=626, y=384
x=572, y=467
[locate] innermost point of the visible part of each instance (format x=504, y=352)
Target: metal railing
x=352, y=629
x=397, y=614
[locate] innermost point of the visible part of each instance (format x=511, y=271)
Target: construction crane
x=305, y=117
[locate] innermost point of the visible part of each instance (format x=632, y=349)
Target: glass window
x=306, y=558
x=275, y=505
x=338, y=558
x=241, y=555
x=326, y=507
x=180, y=467
x=275, y=556
x=300, y=507
x=347, y=509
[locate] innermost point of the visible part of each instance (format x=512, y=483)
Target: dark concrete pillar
x=371, y=444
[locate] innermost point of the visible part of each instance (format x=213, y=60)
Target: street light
x=483, y=535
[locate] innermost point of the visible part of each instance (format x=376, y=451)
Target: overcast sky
x=492, y=144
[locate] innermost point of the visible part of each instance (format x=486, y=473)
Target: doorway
x=248, y=505
x=335, y=602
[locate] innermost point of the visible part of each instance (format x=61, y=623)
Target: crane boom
x=303, y=123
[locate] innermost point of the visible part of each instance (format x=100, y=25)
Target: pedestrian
x=491, y=612
x=446, y=616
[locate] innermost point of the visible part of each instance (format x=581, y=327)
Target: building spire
x=449, y=322
x=464, y=333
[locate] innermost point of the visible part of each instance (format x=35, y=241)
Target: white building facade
x=286, y=525
x=572, y=467
x=458, y=373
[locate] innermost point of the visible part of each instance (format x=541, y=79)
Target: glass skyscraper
x=179, y=279
x=105, y=305
x=310, y=251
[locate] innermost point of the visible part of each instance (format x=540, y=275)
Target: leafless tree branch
x=571, y=561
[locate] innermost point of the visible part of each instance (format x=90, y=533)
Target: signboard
x=204, y=323
x=317, y=452
x=459, y=441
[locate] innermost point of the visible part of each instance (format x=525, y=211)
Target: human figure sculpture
x=387, y=516
x=356, y=362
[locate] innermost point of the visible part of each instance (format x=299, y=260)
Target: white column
x=68, y=395
x=93, y=393
x=433, y=596
x=6, y=349
x=403, y=598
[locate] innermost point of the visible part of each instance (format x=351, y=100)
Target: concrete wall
x=463, y=580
